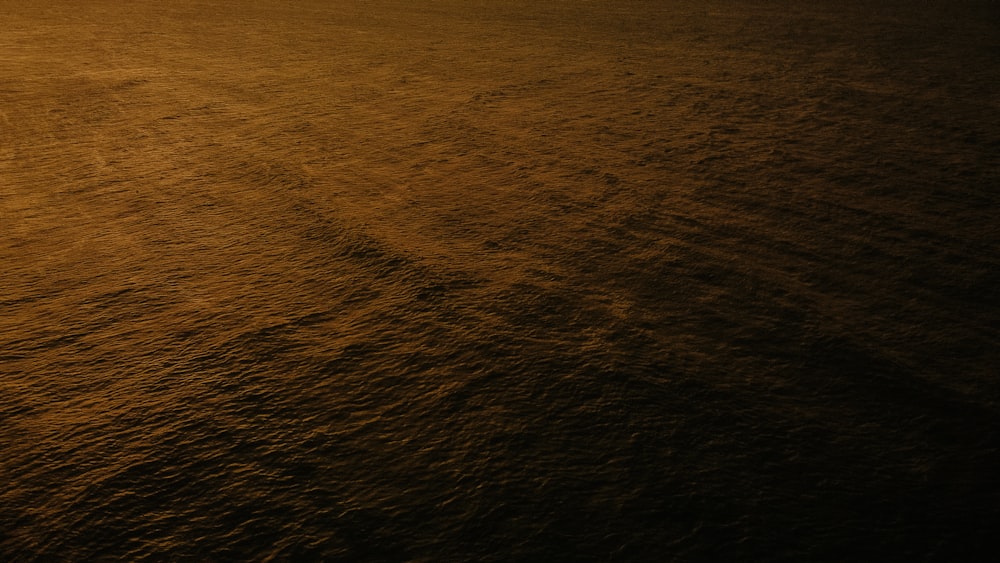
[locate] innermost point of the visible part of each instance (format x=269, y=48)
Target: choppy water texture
x=498, y=280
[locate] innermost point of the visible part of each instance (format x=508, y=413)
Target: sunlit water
x=498, y=280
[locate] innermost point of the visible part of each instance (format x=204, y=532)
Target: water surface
x=490, y=280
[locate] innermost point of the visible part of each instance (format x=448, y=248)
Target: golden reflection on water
x=492, y=281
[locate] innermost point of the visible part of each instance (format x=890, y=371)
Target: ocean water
x=499, y=281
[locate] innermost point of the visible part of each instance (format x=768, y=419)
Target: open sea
x=499, y=280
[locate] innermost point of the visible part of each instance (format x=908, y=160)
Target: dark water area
x=499, y=281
